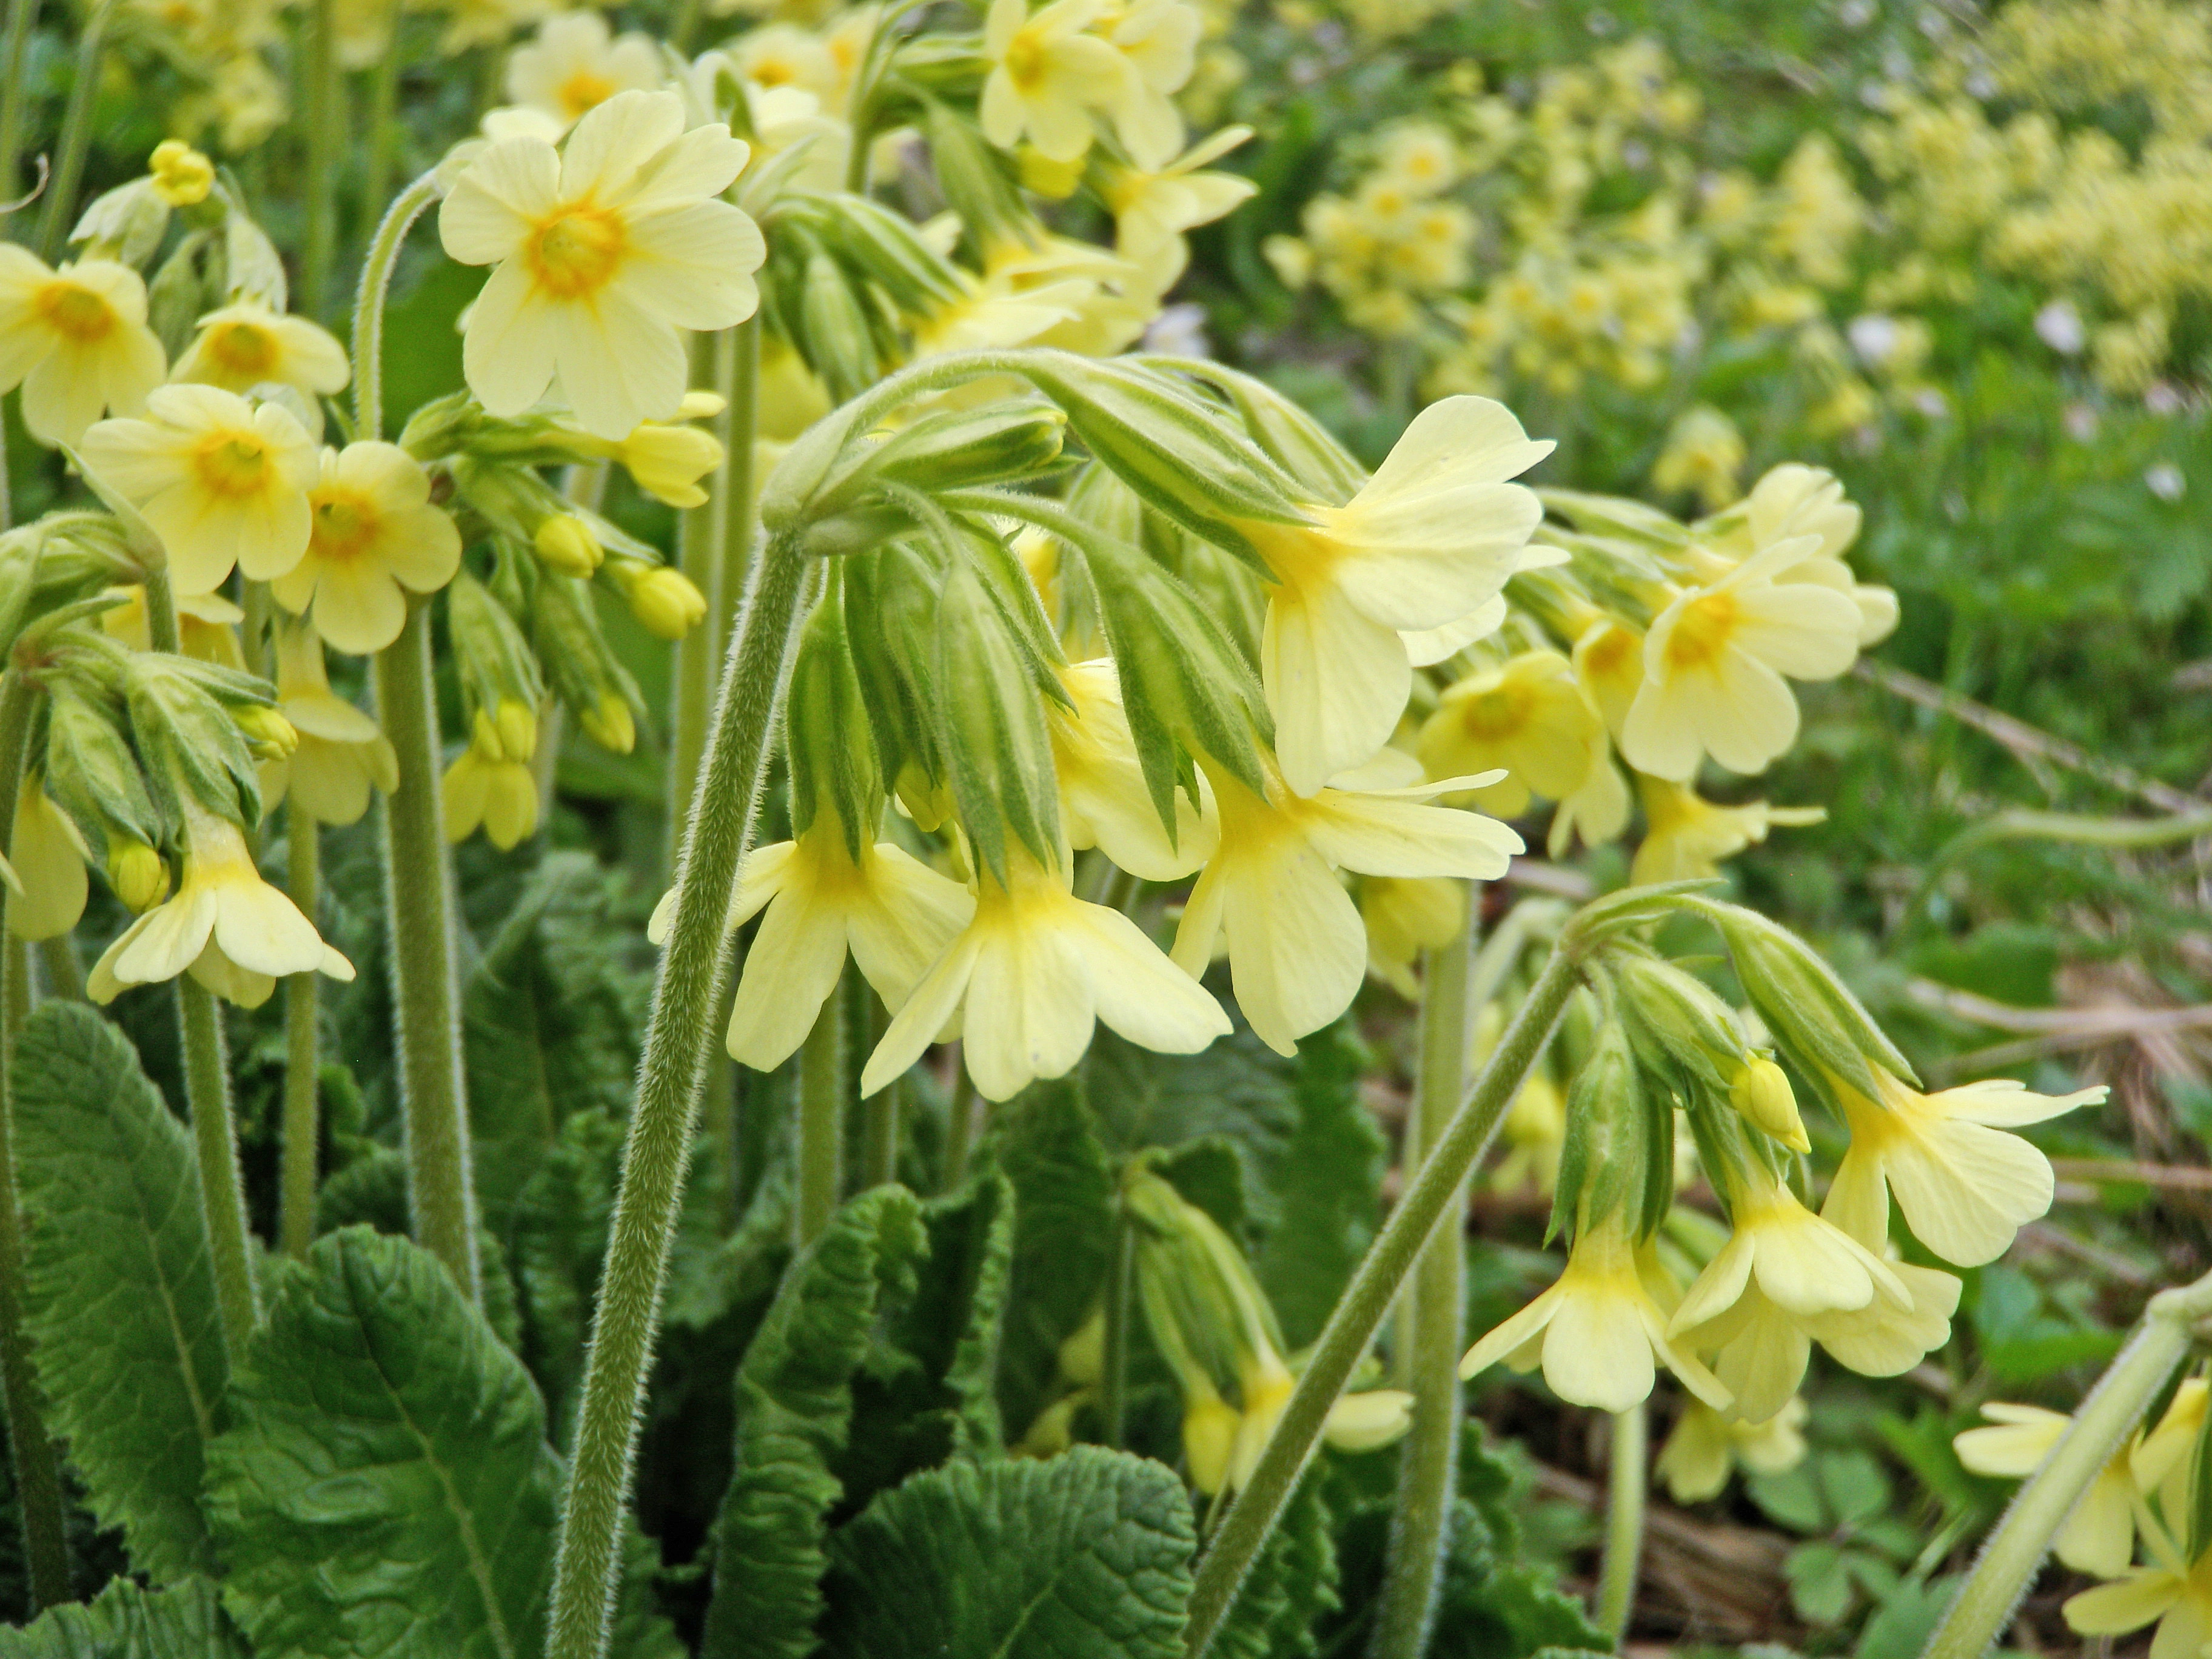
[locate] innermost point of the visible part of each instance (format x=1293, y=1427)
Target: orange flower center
x=246, y=351
x=76, y=313
x=576, y=250
x=772, y=72
x=1703, y=631
x=584, y=90
x=233, y=463
x=345, y=524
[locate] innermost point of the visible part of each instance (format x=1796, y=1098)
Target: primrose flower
x=894, y=913
x=245, y=345
x=1104, y=802
x=222, y=481
x=1597, y=1331
x=2179, y=1597
x=1695, y=1460
x=375, y=538
x=1527, y=715
x=489, y=784
x=1714, y=659
x=1965, y=1186
x=1430, y=539
x=2099, y=1537
x=207, y=624
x=1296, y=949
x=1157, y=43
x=602, y=251
x=226, y=927
x=1686, y=836
x=1405, y=916
x=1803, y=1264
x=1030, y=976
x=1152, y=207
x=1046, y=75
x=575, y=65
x=76, y=340
x=50, y=856
x=341, y=753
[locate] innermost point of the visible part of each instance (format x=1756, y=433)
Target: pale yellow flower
x=245, y=345
x=2099, y=1537
x=50, y=856
x=376, y=538
x=1027, y=980
x=603, y=250
x=1157, y=41
x=181, y=176
x=76, y=340
x=1152, y=207
x=1685, y=836
x=2178, y=1598
x=207, y=625
x=1047, y=76
x=1705, y=1445
x=226, y=927
x=1104, y=802
x=1405, y=916
x=1597, y=1331
x=221, y=481
x=341, y=753
x=575, y=65
x=1297, y=948
x=1429, y=540
x=489, y=784
x=1527, y=715
x=1803, y=1264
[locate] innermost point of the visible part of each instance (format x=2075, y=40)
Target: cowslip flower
x=1714, y=661
x=1028, y=978
x=1704, y=1445
x=76, y=340
x=341, y=752
x=1527, y=715
x=602, y=251
x=1153, y=207
x=892, y=912
x=245, y=345
x=222, y=481
x=1598, y=1332
x=1685, y=836
x=207, y=624
x=1104, y=802
x=1801, y=1262
x=50, y=858
x=2178, y=1596
x=224, y=926
x=1296, y=947
x=1047, y=76
x=2099, y=1537
x=489, y=784
x=1965, y=1185
x=1405, y=916
x=1157, y=43
x=374, y=533
x=1430, y=539
x=575, y=65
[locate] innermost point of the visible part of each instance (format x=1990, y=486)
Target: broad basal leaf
x=118, y=1288
x=1086, y=1556
x=387, y=1489
x=1326, y=1186
x=184, y=1621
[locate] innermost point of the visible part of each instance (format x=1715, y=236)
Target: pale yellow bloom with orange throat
x=1685, y=836
x=1047, y=76
x=50, y=858
x=575, y=65
x=76, y=340
x=1153, y=207
x=245, y=345
x=1527, y=715
x=342, y=753
x=376, y=538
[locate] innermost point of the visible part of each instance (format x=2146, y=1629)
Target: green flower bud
x=878, y=245
x=890, y=623
x=137, y=874
x=1289, y=436
x=125, y=225
x=833, y=757
x=957, y=449
x=1810, y=1011
x=661, y=598
x=512, y=499
x=192, y=746
x=1761, y=1092
x=498, y=669
x=975, y=180
x=1618, y=1151
x=585, y=674
x=998, y=753
x=1616, y=515
x=1677, y=1022
x=833, y=334
x=91, y=772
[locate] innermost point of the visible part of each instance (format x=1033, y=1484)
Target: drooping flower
x=374, y=534
x=575, y=65
x=76, y=340
x=245, y=345
x=2178, y=1597
x=1696, y=1457
x=1597, y=1332
x=1296, y=947
x=1405, y=916
x=223, y=482
x=1431, y=538
x=1047, y=76
x=603, y=250
x=1965, y=1185
x=1152, y=207
x=1158, y=42
x=226, y=927
x=1685, y=836
x=2099, y=1537
x=50, y=858
x=207, y=624
x=1804, y=1264
x=341, y=753
x=1028, y=978
x=1104, y=802
x=1527, y=715
x=489, y=784
x=1714, y=662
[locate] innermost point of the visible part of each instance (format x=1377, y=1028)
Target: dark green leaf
x=388, y=1488
x=118, y=1285
x=1327, y=1185
x=1086, y=1556
x=184, y=1621
x=1901, y=1626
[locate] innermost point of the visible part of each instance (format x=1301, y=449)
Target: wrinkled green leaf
x=1086, y=1556
x=387, y=1489
x=1327, y=1185
x=119, y=1284
x=184, y=1621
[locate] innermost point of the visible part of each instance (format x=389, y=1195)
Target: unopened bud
x=1209, y=1439
x=137, y=874
x=1761, y=1092
x=701, y=405
x=516, y=723
x=565, y=541
x=1083, y=1355
x=610, y=723
x=662, y=599
x=268, y=734
x=1042, y=176
x=1365, y=1422
x=1808, y=1008
x=668, y=461
x=182, y=176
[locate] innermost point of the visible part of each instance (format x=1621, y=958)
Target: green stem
x=822, y=1120
x=425, y=968
x=1114, y=1361
x=1429, y=1460
x=698, y=535
x=383, y=117
x=960, y=1128
x=692, y=969
x=1624, y=1520
x=324, y=97
x=54, y=219
x=1978, y=1613
x=253, y=630
x=368, y=304
x=15, y=93
x=295, y=1215
x=222, y=1190
x=65, y=970
x=38, y=1475
x=1255, y=1509
x=880, y=1112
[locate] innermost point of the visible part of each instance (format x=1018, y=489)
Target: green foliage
x=1843, y=1499
x=1085, y=1556
x=184, y=1621
x=388, y=1486
x=1292, y=1587
x=119, y=1287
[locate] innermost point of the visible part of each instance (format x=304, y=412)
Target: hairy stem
x=295, y=1213
x=663, y=1113
x=368, y=304
x=822, y=1120
x=15, y=93
x=222, y=1189
x=383, y=118
x=1429, y=1460
x=38, y=1476
x=60, y=207
x=1255, y=1509
x=65, y=970
x=1624, y=1519
x=2175, y=1320
x=959, y=1126
x=324, y=97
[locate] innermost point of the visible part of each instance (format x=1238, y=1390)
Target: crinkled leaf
x=1086, y=1556
x=124, y=1621
x=119, y=1284
x=388, y=1489
x=1327, y=1186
